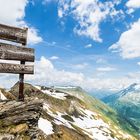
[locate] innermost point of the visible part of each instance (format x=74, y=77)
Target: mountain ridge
x=70, y=118
x=121, y=93
x=127, y=104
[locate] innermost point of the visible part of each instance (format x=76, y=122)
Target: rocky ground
x=19, y=120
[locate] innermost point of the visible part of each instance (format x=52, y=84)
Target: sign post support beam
x=21, y=85
x=21, y=77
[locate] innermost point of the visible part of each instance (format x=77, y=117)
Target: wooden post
x=21, y=78
x=21, y=85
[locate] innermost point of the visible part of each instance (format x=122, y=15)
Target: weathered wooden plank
x=11, y=52
x=16, y=68
x=14, y=34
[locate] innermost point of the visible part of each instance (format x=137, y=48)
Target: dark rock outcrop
x=18, y=120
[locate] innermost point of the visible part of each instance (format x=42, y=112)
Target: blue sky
x=88, y=43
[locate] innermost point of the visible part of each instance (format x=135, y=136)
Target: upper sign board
x=13, y=34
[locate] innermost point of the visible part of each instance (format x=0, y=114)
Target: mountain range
x=68, y=113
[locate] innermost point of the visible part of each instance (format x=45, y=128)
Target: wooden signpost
x=16, y=52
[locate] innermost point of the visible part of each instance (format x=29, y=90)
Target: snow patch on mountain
x=93, y=127
x=45, y=126
x=52, y=92
x=65, y=87
x=132, y=94
x=137, y=87
x=2, y=97
x=61, y=121
x=38, y=87
x=89, y=122
x=58, y=119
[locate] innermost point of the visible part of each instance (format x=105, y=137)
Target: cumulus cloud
x=80, y=66
x=13, y=13
x=106, y=69
x=48, y=1
x=133, y=4
x=128, y=44
x=89, y=14
x=101, y=61
x=138, y=63
x=33, y=37
x=88, y=46
x=47, y=74
x=54, y=57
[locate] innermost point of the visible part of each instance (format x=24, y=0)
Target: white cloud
x=138, y=63
x=101, y=61
x=105, y=69
x=48, y=1
x=130, y=11
x=33, y=37
x=128, y=44
x=89, y=14
x=135, y=76
x=80, y=66
x=88, y=46
x=8, y=80
x=60, y=13
x=133, y=4
x=54, y=57
x=47, y=74
x=13, y=13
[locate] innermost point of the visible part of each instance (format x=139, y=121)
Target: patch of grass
x=67, y=117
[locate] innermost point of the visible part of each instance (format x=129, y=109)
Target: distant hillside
x=127, y=104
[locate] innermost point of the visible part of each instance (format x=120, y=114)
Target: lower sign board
x=16, y=68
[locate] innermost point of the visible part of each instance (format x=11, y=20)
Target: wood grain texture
x=14, y=34
x=11, y=52
x=16, y=68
